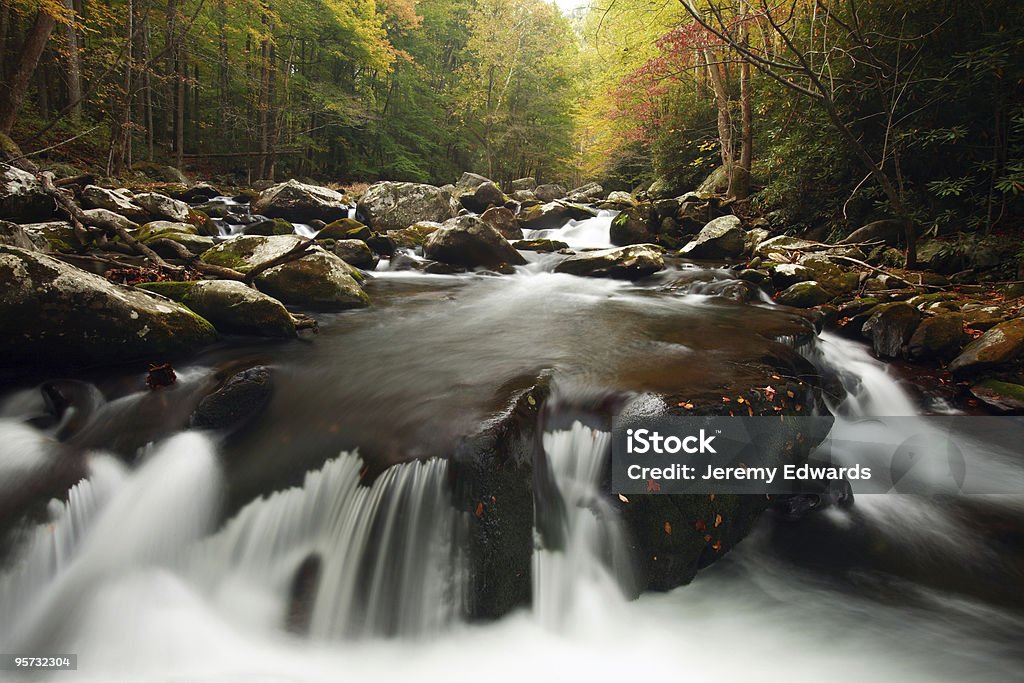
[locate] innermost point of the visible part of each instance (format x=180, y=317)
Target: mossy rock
x=938, y=338
x=231, y=306
x=1005, y=396
x=271, y=226
x=196, y=244
x=890, y=328
x=413, y=236
x=542, y=245
x=345, y=229
x=1000, y=346
x=804, y=295
x=155, y=229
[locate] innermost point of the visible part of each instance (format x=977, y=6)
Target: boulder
x=937, y=338
x=470, y=180
x=753, y=239
x=1004, y=396
x=717, y=182
x=345, y=229
x=504, y=221
x=231, y=306
x=1001, y=345
x=155, y=229
x=395, y=206
x=549, y=193
x=14, y=235
x=469, y=242
x=162, y=206
x=587, y=193
x=413, y=236
x=785, y=275
x=543, y=245
x=889, y=231
x=108, y=220
x=55, y=235
x=182, y=233
x=301, y=203
x=803, y=295
x=781, y=244
x=57, y=315
x=890, y=327
x=200, y=192
x=834, y=279
x=619, y=200
x=483, y=196
x=22, y=198
x=94, y=197
x=318, y=280
x=625, y=263
x=523, y=184
x=270, y=226
x=720, y=238
x=524, y=196
x=664, y=187
x=553, y=215
x=630, y=227
x=356, y=253
x=235, y=404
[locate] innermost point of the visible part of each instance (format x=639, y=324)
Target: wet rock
x=630, y=227
x=200, y=192
x=937, y=338
x=1001, y=345
x=356, y=253
x=890, y=328
x=542, y=245
x=301, y=203
x=803, y=295
x=549, y=193
x=94, y=197
x=785, y=275
x=753, y=239
x=553, y=215
x=56, y=236
x=469, y=242
x=523, y=184
x=345, y=229
x=626, y=263
x=22, y=198
x=271, y=226
x=1004, y=396
x=482, y=197
x=237, y=403
x=395, y=206
x=163, y=207
x=302, y=594
x=720, y=238
x=56, y=314
x=13, y=235
x=231, y=306
x=415, y=235
x=504, y=221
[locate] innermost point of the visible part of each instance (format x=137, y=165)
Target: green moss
x=178, y=291
x=344, y=229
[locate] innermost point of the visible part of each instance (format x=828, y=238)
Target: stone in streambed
x=56, y=314
x=163, y=207
x=891, y=327
x=630, y=227
x=395, y=206
x=345, y=229
x=504, y=221
x=231, y=306
x=469, y=242
x=413, y=236
x=482, y=197
x=13, y=235
x=22, y=197
x=300, y=203
x=804, y=295
x=1001, y=345
x=94, y=197
x=356, y=253
x=720, y=238
x=237, y=403
x=541, y=245
x=625, y=263
x=270, y=226
x=1004, y=396
x=937, y=338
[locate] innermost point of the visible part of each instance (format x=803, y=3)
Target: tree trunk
x=74, y=62
x=724, y=116
x=739, y=179
x=170, y=69
x=21, y=76
x=179, y=109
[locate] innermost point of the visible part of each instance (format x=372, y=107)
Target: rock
x=356, y=253
x=94, y=197
x=889, y=231
x=482, y=197
x=553, y=215
x=587, y=193
x=22, y=198
x=620, y=200
x=200, y=192
x=753, y=239
x=345, y=229
x=155, y=229
x=231, y=306
x=470, y=180
x=785, y=275
x=381, y=244
x=720, y=238
x=301, y=203
x=999, y=346
x=55, y=235
x=108, y=220
x=319, y=280
x=415, y=235
x=630, y=227
x=717, y=182
x=781, y=244
x=238, y=402
x=58, y=315
x=504, y=221
x=890, y=327
x=243, y=253
x=982, y=316
x=543, y=245
x=469, y=242
x=395, y=206
x=270, y=226
x=626, y=263
x=937, y=338
x=549, y=193
x=664, y=187
x=834, y=279
x=803, y=295
x=13, y=235
x=524, y=196
x=162, y=206
x=161, y=173
x=523, y=184
x=1005, y=396
x=182, y=233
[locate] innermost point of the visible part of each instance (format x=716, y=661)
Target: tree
x=21, y=75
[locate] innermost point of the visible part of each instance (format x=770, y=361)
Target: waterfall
x=367, y=560
x=583, y=578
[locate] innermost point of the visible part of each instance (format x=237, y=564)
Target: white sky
x=568, y=5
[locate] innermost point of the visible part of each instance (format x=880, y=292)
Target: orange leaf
x=479, y=512
x=668, y=528
x=716, y=546
x=718, y=521
x=700, y=525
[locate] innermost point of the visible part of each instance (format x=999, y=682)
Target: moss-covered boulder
x=720, y=238
x=890, y=328
x=937, y=338
x=413, y=236
x=469, y=242
x=543, y=245
x=301, y=203
x=631, y=226
x=834, y=279
x=356, y=253
x=270, y=226
x=118, y=201
x=1004, y=396
x=623, y=263
x=57, y=236
x=155, y=229
x=1001, y=345
x=804, y=295
x=231, y=306
x=504, y=221
x=345, y=229
x=57, y=315
x=785, y=275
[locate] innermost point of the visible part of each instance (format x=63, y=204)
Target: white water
x=589, y=233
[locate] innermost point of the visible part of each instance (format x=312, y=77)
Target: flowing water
x=267, y=557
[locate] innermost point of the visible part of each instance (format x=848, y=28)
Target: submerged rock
x=239, y=401
x=469, y=242
x=301, y=203
x=395, y=206
x=59, y=315
x=231, y=306
x=625, y=263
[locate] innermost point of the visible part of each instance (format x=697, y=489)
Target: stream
x=179, y=555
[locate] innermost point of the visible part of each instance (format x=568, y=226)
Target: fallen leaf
x=700, y=525
x=623, y=498
x=479, y=512
x=718, y=521
x=668, y=528
x=716, y=546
